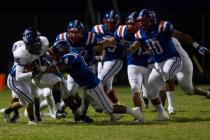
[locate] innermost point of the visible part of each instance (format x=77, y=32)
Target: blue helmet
x=75, y=25
x=31, y=38
x=61, y=47
x=132, y=17
x=147, y=14
x=111, y=16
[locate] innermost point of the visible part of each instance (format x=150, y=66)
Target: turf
x=192, y=122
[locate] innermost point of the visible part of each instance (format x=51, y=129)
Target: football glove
x=202, y=50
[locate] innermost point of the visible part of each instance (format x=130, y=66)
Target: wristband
x=195, y=45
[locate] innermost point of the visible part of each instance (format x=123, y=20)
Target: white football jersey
x=21, y=54
x=22, y=57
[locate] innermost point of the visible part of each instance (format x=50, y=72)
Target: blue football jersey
x=79, y=70
x=85, y=47
x=158, y=41
x=123, y=38
x=114, y=52
x=13, y=70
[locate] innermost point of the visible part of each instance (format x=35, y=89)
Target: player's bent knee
x=135, y=91
x=47, y=92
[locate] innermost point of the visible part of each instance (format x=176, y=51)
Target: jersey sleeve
x=138, y=36
x=166, y=27
x=19, y=55
x=45, y=43
x=91, y=38
x=21, y=75
x=69, y=59
x=62, y=36
x=118, y=34
x=94, y=29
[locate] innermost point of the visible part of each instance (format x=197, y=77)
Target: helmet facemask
x=146, y=19
x=60, y=48
x=75, y=35
x=75, y=31
x=32, y=40
x=131, y=23
x=111, y=20
x=34, y=48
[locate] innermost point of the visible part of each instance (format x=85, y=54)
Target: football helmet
x=131, y=23
x=131, y=18
x=75, y=25
x=147, y=18
x=111, y=20
x=75, y=31
x=61, y=47
x=31, y=38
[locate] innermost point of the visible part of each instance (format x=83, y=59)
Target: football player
x=85, y=43
x=165, y=60
x=138, y=71
x=112, y=57
x=25, y=52
x=15, y=105
x=188, y=86
x=70, y=61
x=185, y=76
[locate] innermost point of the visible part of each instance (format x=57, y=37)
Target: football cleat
x=83, y=118
x=25, y=113
x=32, y=123
x=163, y=116
x=171, y=110
x=52, y=115
x=14, y=117
x=60, y=115
x=136, y=112
x=115, y=117
x=5, y=115
x=38, y=117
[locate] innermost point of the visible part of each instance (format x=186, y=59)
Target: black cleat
x=83, y=118
x=38, y=118
x=60, y=115
x=14, y=117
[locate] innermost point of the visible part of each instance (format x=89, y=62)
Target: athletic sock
x=170, y=97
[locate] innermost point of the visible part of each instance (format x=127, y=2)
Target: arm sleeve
x=166, y=27
x=20, y=75
x=116, y=37
x=69, y=59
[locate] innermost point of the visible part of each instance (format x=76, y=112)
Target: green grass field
x=192, y=122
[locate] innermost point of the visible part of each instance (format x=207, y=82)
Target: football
x=29, y=68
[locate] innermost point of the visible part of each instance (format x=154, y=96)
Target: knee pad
x=47, y=92
x=134, y=91
x=188, y=89
x=151, y=94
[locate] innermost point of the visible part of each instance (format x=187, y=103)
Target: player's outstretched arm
x=185, y=38
x=134, y=47
x=109, y=42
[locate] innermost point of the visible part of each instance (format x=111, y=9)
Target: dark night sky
x=53, y=16
x=124, y=5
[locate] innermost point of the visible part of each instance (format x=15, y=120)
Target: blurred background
x=52, y=17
